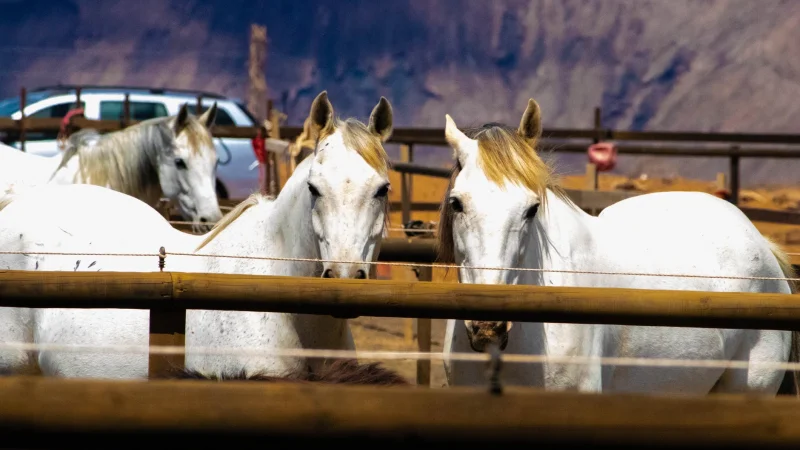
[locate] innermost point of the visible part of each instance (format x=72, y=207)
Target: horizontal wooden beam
x=170, y=291
x=435, y=137
x=408, y=250
x=600, y=199
x=36, y=412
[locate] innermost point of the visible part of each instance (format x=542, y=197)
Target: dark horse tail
x=345, y=371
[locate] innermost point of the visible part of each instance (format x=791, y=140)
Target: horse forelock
x=197, y=135
x=356, y=136
x=503, y=156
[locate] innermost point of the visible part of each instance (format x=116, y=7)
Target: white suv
x=237, y=174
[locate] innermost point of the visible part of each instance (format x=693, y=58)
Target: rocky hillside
x=711, y=65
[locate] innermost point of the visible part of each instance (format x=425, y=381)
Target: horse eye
x=456, y=205
x=383, y=191
x=531, y=212
x=314, y=191
x=180, y=163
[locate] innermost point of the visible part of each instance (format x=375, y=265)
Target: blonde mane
x=504, y=156
x=234, y=214
x=124, y=160
x=357, y=136
x=6, y=200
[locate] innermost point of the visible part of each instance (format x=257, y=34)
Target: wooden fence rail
x=597, y=200
x=175, y=291
x=36, y=412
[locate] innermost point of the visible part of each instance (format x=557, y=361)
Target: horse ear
x=180, y=121
x=530, y=127
x=321, y=112
x=380, y=121
x=459, y=141
x=209, y=116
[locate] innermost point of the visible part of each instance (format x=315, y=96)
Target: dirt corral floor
x=395, y=334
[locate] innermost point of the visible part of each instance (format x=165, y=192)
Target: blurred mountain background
x=698, y=65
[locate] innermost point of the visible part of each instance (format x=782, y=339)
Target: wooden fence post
x=406, y=155
x=720, y=182
x=23, y=99
x=167, y=327
x=424, y=335
x=734, y=168
x=598, y=136
x=163, y=326
x=274, y=118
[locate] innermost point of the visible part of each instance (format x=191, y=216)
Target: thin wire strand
x=182, y=222
x=403, y=264
x=394, y=355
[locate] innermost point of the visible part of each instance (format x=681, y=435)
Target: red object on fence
x=603, y=155
x=62, y=132
x=260, y=149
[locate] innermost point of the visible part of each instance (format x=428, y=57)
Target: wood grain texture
x=173, y=291
x=36, y=409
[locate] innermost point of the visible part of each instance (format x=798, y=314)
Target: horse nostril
x=203, y=220
x=327, y=274
x=360, y=274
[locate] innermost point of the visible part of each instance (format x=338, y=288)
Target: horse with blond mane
x=505, y=209
x=172, y=157
x=333, y=207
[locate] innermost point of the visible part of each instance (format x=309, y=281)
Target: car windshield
x=9, y=106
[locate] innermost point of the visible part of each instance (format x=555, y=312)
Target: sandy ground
x=393, y=334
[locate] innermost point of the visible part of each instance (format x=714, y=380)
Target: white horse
x=505, y=209
x=20, y=170
x=171, y=157
x=334, y=206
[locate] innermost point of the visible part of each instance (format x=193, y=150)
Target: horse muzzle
x=482, y=334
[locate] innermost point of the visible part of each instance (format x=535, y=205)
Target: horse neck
x=563, y=238
x=284, y=230
x=281, y=228
x=292, y=216
x=126, y=161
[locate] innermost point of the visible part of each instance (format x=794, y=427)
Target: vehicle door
x=237, y=168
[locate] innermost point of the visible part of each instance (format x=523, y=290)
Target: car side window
x=223, y=118
x=57, y=111
x=115, y=110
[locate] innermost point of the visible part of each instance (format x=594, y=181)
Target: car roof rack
x=131, y=89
